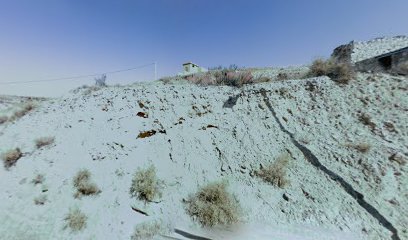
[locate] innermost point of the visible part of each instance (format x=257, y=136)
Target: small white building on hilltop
x=191, y=68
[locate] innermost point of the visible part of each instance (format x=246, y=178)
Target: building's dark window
x=385, y=62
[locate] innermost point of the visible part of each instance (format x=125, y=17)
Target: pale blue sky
x=50, y=39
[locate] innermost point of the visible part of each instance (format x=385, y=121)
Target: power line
x=77, y=77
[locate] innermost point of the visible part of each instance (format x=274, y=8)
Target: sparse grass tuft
x=75, y=220
x=282, y=76
x=83, y=184
x=227, y=77
x=165, y=80
x=38, y=179
x=338, y=71
x=234, y=78
x=275, y=173
x=361, y=147
x=44, y=141
x=26, y=108
x=145, y=185
x=213, y=205
x=204, y=79
x=147, y=230
x=11, y=157
x=365, y=118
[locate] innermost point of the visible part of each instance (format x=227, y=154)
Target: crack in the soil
x=334, y=176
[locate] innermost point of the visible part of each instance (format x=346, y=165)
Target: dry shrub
x=361, y=147
x=213, y=205
x=11, y=157
x=84, y=186
x=340, y=72
x=148, y=230
x=262, y=79
x=165, y=80
x=145, y=185
x=234, y=78
x=204, y=79
x=26, y=108
x=399, y=158
x=75, y=220
x=40, y=200
x=319, y=67
x=86, y=90
x=223, y=77
x=275, y=173
x=44, y=141
x=227, y=76
x=282, y=76
x=366, y=119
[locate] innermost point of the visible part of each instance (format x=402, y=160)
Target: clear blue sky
x=49, y=38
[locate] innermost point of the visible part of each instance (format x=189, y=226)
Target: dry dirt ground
x=347, y=173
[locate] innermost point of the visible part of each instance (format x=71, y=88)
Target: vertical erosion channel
x=334, y=176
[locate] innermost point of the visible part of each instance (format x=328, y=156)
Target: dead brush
x=213, y=205
x=282, y=76
x=366, y=119
x=44, y=141
x=84, y=186
x=319, y=68
x=145, y=185
x=275, y=173
x=148, y=230
x=25, y=108
x=234, y=78
x=75, y=220
x=223, y=77
x=361, y=147
x=204, y=79
x=11, y=157
x=338, y=71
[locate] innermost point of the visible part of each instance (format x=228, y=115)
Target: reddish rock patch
x=142, y=114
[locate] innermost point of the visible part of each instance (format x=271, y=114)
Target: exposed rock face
x=369, y=49
x=378, y=55
x=343, y=53
x=358, y=51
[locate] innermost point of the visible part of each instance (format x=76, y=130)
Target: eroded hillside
x=347, y=148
